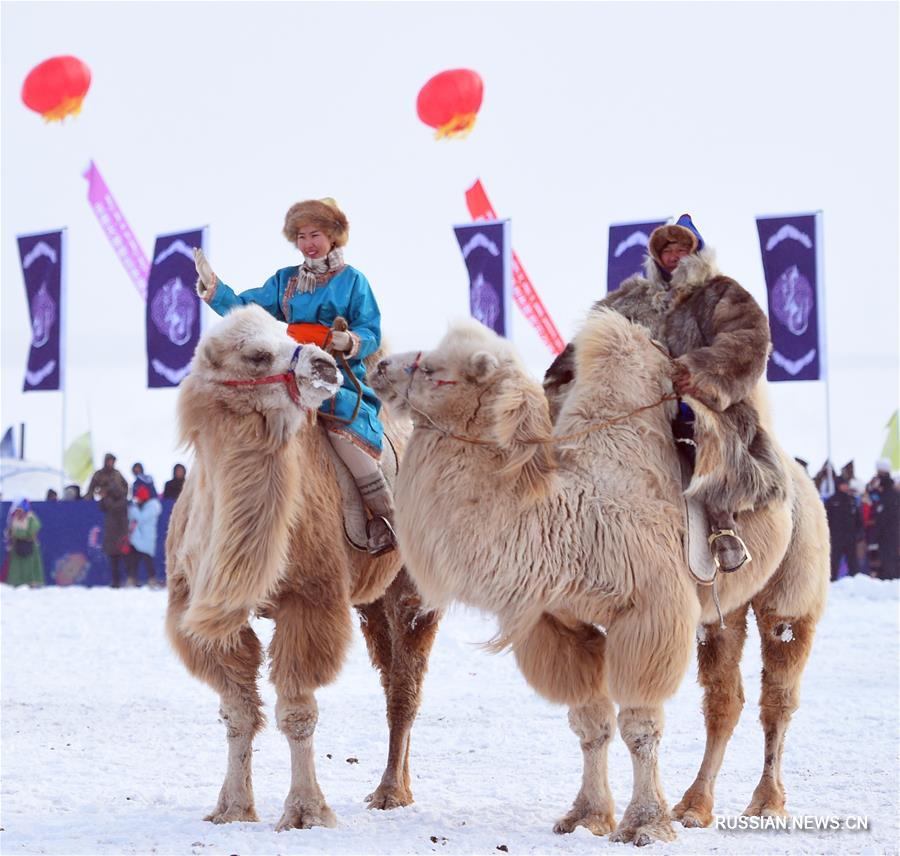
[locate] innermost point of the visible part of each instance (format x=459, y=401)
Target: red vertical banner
x=526, y=297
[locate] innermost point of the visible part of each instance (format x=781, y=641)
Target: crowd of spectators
x=130, y=523
x=864, y=521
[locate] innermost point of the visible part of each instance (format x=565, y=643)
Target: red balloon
x=450, y=101
x=56, y=87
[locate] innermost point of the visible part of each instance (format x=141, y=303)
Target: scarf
x=316, y=272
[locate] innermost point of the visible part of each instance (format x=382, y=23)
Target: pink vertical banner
x=113, y=222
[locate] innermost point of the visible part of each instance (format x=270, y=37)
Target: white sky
x=226, y=113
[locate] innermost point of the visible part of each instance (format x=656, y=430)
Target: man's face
x=672, y=254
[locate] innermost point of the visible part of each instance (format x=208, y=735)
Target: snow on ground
x=109, y=746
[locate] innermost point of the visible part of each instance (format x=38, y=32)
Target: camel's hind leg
x=718, y=660
x=399, y=636
x=786, y=643
x=311, y=638
x=563, y=661
x=233, y=673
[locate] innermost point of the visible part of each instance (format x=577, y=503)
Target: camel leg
x=564, y=661
x=647, y=817
x=718, y=661
x=648, y=651
x=312, y=635
x=399, y=637
x=786, y=643
x=233, y=674
x=595, y=725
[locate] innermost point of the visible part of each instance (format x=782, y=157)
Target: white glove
x=204, y=270
x=341, y=341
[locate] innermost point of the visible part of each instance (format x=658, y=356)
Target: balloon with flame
x=56, y=87
x=450, y=102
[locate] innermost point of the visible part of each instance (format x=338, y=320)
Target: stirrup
x=384, y=548
x=714, y=536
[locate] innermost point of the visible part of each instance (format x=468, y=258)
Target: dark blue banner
x=627, y=248
x=173, y=308
x=487, y=252
x=70, y=541
x=789, y=257
x=42, y=266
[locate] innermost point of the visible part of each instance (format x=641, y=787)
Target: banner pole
x=63, y=353
x=823, y=327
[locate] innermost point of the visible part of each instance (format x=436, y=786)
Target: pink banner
x=113, y=222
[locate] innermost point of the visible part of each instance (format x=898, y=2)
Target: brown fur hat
x=661, y=237
x=317, y=212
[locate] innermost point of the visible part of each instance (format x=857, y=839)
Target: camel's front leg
x=312, y=634
x=233, y=673
x=719, y=672
x=647, y=817
x=305, y=804
x=595, y=724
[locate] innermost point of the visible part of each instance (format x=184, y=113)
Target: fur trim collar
x=692, y=271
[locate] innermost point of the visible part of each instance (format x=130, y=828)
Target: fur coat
x=714, y=328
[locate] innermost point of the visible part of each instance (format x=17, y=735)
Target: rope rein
x=475, y=441
x=597, y=426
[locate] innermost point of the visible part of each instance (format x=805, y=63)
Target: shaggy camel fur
x=258, y=529
x=577, y=547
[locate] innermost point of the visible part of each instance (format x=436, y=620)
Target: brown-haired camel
x=258, y=529
x=577, y=547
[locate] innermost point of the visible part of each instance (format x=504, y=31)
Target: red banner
x=523, y=291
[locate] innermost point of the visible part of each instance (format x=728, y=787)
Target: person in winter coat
x=26, y=567
x=114, y=505
x=885, y=519
x=719, y=339
x=843, y=524
x=143, y=515
x=309, y=297
x=174, y=485
x=106, y=476
x=141, y=478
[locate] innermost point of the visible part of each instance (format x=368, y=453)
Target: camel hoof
x=641, y=836
x=761, y=809
x=306, y=817
x=233, y=814
x=595, y=822
x=692, y=814
x=386, y=798
x=691, y=820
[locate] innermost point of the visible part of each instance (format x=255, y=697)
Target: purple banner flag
x=789, y=256
x=487, y=252
x=117, y=229
x=173, y=308
x=42, y=269
x=627, y=248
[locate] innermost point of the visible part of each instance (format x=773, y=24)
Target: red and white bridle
x=288, y=378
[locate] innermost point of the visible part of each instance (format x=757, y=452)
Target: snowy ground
x=109, y=746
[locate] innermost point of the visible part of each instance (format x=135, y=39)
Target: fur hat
x=682, y=231
x=323, y=213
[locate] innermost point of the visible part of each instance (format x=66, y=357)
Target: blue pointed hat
x=685, y=221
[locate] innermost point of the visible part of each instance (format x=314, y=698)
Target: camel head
x=247, y=364
x=474, y=385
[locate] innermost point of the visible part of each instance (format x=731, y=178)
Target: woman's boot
x=376, y=496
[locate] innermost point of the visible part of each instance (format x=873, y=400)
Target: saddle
x=354, y=512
